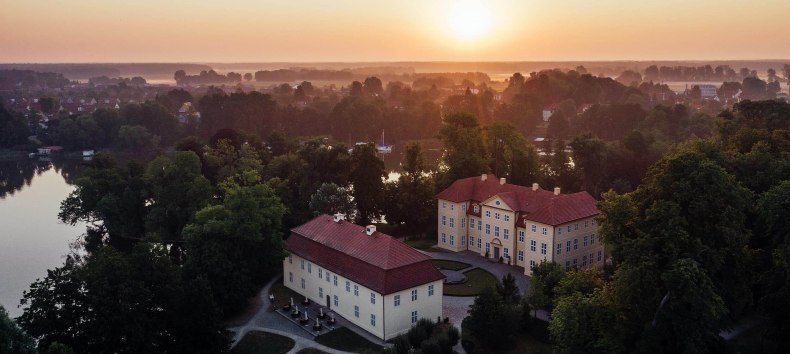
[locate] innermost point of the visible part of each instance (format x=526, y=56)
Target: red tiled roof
x=378, y=262
x=539, y=205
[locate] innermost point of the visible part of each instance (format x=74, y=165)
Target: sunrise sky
x=404, y=30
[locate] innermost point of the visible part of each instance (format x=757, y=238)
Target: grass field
x=476, y=280
x=263, y=343
x=346, y=340
x=421, y=243
x=451, y=265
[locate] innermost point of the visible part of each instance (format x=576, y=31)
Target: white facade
x=378, y=314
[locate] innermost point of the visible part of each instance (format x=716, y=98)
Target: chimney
x=502, y=181
x=370, y=229
x=535, y=187
x=556, y=190
x=483, y=177
x=338, y=217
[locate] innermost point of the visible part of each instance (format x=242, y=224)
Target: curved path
x=265, y=320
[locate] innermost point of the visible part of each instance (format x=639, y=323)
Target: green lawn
x=310, y=351
x=346, y=340
x=263, y=343
x=451, y=265
x=476, y=280
x=422, y=243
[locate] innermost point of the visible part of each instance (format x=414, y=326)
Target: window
x=334, y=279
x=507, y=233
x=586, y=223
x=488, y=213
x=488, y=248
x=496, y=231
x=414, y=317
x=356, y=311
x=559, y=231
x=472, y=223
x=348, y=286
x=452, y=240
x=373, y=298
x=414, y=295
x=452, y=222
x=373, y=320
x=575, y=243
x=463, y=207
x=478, y=243
x=521, y=256
x=488, y=229
x=592, y=258
x=396, y=300
x=599, y=256
x=593, y=222
x=291, y=277
x=569, y=228
x=430, y=290
x=567, y=265
x=477, y=209
x=592, y=239
x=302, y=283
x=290, y=259
x=576, y=227
x=520, y=236
x=444, y=220
x=534, y=228
x=584, y=260
x=559, y=248
x=452, y=206
x=320, y=292
x=544, y=231
x=507, y=217
x=574, y=262
x=463, y=222
x=585, y=240
x=507, y=253
x=471, y=240
x=444, y=205
x=327, y=276
x=543, y=248
x=568, y=246
x=444, y=238
x=319, y=273
x=303, y=264
x=309, y=268
x=531, y=264
x=532, y=245
x=496, y=216
x=479, y=225
x=356, y=290
x=463, y=240
x=337, y=300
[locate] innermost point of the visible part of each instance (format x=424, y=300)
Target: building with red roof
x=519, y=225
x=371, y=279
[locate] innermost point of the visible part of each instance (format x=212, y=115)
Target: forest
x=186, y=220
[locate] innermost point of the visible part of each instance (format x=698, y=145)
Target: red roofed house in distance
x=519, y=225
x=371, y=279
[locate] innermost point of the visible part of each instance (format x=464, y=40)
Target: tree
x=464, y=149
x=558, y=126
x=585, y=324
x=179, y=76
x=13, y=340
x=508, y=290
x=513, y=157
x=137, y=140
x=373, y=86
x=13, y=128
x=545, y=278
x=367, y=176
x=332, y=199
x=491, y=322
x=584, y=280
x=409, y=200
x=236, y=245
x=248, y=77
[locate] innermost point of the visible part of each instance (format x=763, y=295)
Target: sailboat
x=383, y=148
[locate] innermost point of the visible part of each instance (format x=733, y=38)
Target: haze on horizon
x=57, y=31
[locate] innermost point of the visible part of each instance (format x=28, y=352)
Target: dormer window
x=477, y=209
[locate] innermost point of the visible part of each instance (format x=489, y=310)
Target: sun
x=469, y=20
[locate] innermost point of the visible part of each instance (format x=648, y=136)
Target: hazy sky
x=389, y=30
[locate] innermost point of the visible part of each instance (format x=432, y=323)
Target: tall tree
x=409, y=200
x=464, y=152
x=332, y=199
x=367, y=176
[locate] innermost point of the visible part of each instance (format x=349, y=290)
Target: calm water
x=32, y=239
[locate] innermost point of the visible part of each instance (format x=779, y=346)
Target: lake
x=32, y=239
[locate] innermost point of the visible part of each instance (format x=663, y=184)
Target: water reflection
x=18, y=174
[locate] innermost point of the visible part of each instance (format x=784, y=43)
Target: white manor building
x=519, y=225
x=371, y=279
